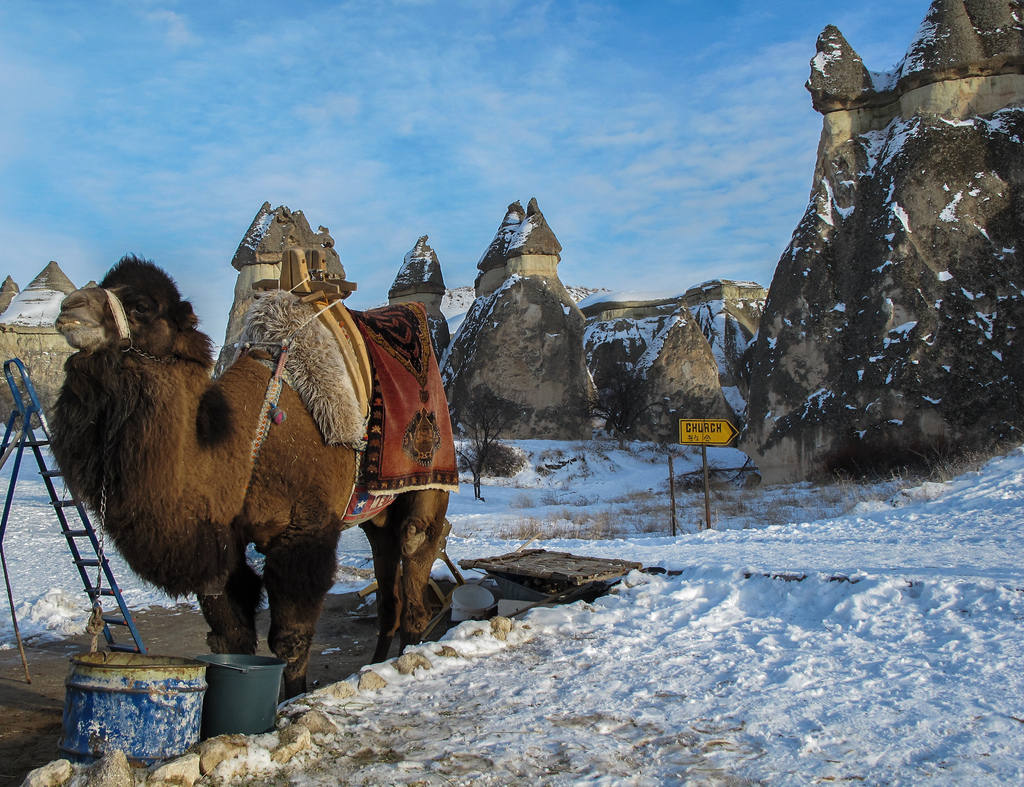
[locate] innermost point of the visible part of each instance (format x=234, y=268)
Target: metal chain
x=100, y=536
x=96, y=623
x=132, y=348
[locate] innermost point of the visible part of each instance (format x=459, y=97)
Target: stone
x=501, y=627
x=838, y=76
x=960, y=38
x=371, y=681
x=447, y=651
x=890, y=331
x=53, y=774
x=495, y=255
x=184, y=770
x=420, y=279
x=729, y=315
x=317, y=722
x=214, y=751
x=523, y=245
x=407, y=663
x=111, y=770
x=291, y=741
x=522, y=345
x=7, y=292
x=337, y=691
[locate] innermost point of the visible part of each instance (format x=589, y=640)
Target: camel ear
x=184, y=316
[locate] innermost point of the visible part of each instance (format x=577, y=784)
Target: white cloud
x=173, y=26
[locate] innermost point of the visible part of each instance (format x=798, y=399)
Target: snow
x=628, y=296
x=857, y=633
x=33, y=307
x=648, y=333
x=259, y=229
x=901, y=214
x=456, y=302
x=948, y=213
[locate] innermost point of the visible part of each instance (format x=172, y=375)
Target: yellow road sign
x=706, y=431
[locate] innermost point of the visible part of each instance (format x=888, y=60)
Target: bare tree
x=481, y=423
x=622, y=398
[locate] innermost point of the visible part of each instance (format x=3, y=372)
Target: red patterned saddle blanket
x=409, y=443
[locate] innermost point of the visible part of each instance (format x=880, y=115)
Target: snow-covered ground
x=843, y=633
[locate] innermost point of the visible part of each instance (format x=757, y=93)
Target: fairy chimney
x=7, y=292
x=522, y=339
x=27, y=332
x=420, y=280
x=524, y=244
x=259, y=255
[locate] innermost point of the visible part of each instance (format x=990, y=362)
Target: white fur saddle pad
x=316, y=367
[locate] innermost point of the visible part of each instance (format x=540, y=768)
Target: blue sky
x=666, y=142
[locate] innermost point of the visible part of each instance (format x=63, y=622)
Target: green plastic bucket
x=147, y=706
x=242, y=693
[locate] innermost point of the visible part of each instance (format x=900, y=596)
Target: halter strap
x=120, y=318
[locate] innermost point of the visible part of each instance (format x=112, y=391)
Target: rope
x=269, y=412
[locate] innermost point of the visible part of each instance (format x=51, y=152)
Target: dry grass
x=521, y=500
x=592, y=529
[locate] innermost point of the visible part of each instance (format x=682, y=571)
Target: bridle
x=124, y=330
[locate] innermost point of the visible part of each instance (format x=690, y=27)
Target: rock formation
x=729, y=315
x=7, y=292
x=420, y=279
x=891, y=326
x=27, y=332
x=684, y=352
x=522, y=339
x=259, y=257
x=524, y=244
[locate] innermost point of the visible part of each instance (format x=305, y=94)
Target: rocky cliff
x=890, y=329
x=684, y=353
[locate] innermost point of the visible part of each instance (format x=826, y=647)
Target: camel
x=161, y=452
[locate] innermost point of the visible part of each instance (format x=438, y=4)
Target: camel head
x=136, y=307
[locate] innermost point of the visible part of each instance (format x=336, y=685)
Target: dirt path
x=30, y=714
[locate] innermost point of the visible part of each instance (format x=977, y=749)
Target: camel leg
x=383, y=535
x=421, y=528
x=232, y=614
x=298, y=573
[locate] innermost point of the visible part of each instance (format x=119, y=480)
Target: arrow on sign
x=706, y=431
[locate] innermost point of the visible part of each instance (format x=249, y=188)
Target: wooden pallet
x=559, y=567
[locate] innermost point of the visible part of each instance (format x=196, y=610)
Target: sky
x=667, y=142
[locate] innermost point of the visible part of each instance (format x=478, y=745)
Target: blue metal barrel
x=149, y=707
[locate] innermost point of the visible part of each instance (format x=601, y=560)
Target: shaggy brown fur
x=139, y=423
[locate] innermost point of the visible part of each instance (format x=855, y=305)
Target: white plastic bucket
x=471, y=602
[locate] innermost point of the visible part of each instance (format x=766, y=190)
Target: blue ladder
x=82, y=537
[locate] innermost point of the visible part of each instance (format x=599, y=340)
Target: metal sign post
x=705, y=432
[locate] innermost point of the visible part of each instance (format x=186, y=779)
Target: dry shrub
x=504, y=461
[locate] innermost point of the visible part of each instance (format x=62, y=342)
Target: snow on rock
x=39, y=303
x=910, y=223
